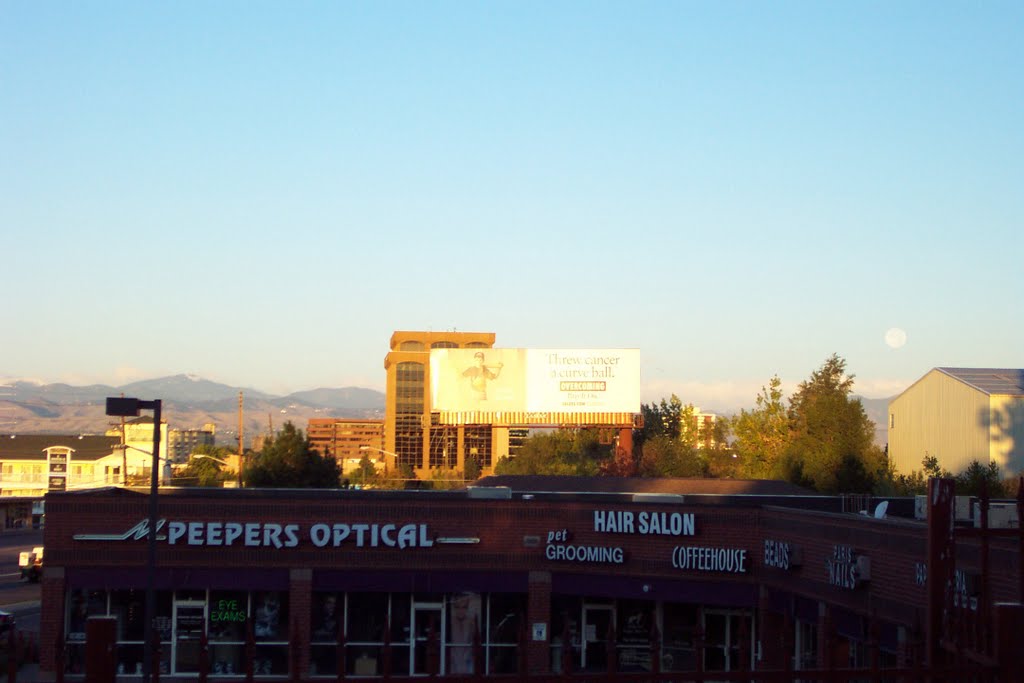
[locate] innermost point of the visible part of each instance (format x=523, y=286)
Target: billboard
x=535, y=380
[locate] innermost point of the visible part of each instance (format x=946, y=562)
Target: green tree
x=446, y=478
x=669, y=443
x=563, y=452
x=892, y=483
x=365, y=473
x=830, y=446
x=761, y=435
x=472, y=469
x=287, y=462
x=971, y=481
x=664, y=419
x=666, y=457
x=688, y=432
x=403, y=477
x=204, y=471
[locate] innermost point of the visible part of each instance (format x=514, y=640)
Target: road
x=16, y=595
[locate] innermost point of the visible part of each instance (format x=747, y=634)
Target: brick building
x=347, y=440
x=539, y=577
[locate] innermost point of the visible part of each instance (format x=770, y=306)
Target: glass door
x=728, y=635
x=189, y=621
x=596, y=620
x=427, y=633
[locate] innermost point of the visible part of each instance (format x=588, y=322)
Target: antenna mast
x=241, y=438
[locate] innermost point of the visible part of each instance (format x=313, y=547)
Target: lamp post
x=204, y=456
x=130, y=407
x=167, y=474
x=386, y=455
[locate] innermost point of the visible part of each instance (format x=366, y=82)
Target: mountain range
x=189, y=402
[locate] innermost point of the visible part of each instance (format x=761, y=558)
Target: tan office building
x=410, y=432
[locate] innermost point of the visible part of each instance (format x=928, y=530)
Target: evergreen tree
x=830, y=446
x=287, y=462
x=976, y=476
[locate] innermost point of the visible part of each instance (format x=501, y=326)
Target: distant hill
x=189, y=402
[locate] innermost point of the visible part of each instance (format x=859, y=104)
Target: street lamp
x=167, y=461
x=197, y=456
x=385, y=453
x=130, y=407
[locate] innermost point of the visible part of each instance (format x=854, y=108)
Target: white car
x=31, y=564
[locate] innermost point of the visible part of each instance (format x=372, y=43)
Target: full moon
x=895, y=338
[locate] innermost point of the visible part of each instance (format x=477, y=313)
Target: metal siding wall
x=942, y=417
x=1006, y=433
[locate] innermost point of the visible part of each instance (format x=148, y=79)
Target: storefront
x=409, y=583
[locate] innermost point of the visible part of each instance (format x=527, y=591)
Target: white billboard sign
x=535, y=380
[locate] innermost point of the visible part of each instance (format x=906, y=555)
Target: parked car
x=6, y=631
x=6, y=624
x=31, y=564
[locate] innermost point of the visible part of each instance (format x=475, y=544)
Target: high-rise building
x=182, y=442
x=417, y=438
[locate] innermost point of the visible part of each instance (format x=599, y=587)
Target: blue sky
x=261, y=193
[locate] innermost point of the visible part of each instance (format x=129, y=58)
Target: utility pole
x=241, y=438
x=124, y=453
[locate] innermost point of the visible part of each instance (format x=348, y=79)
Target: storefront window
x=129, y=606
x=465, y=620
x=806, y=645
x=727, y=639
x=226, y=630
x=452, y=624
x=401, y=632
x=565, y=632
x=367, y=614
x=503, y=633
x=366, y=618
x=326, y=619
x=180, y=621
x=678, y=630
x=81, y=605
x=633, y=632
x=270, y=631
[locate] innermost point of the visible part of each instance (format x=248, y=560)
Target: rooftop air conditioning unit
x=1000, y=516
x=962, y=508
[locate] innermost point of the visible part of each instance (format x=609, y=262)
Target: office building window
x=409, y=439
x=478, y=444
